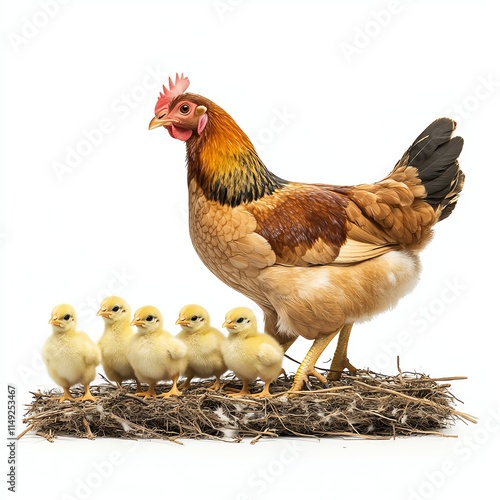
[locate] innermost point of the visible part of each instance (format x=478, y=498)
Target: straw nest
x=367, y=405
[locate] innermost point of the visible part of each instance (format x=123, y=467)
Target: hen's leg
x=306, y=368
x=340, y=359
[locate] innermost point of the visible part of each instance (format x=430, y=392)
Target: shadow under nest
x=368, y=405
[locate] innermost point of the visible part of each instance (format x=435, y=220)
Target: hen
x=315, y=257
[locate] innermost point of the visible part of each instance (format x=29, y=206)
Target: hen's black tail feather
x=435, y=155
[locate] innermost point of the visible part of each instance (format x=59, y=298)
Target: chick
x=203, y=343
x=71, y=357
x=155, y=354
x=115, y=340
x=250, y=354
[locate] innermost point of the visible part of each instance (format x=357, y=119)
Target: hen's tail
x=435, y=155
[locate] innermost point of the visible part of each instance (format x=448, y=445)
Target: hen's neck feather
x=225, y=164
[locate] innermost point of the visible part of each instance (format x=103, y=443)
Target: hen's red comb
x=177, y=88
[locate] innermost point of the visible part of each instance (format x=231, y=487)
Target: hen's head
x=181, y=114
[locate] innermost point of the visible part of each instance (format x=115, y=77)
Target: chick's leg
x=265, y=392
x=66, y=396
x=174, y=391
x=306, y=368
x=150, y=393
x=244, y=390
x=340, y=359
x=216, y=385
x=185, y=385
x=87, y=396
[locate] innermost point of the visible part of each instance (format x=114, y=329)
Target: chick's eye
x=116, y=309
x=194, y=318
x=184, y=109
x=67, y=317
x=240, y=320
x=149, y=318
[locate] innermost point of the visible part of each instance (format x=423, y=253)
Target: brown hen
x=315, y=257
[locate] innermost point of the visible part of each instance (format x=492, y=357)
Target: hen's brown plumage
x=315, y=257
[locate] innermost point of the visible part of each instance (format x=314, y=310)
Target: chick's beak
x=157, y=122
x=137, y=322
x=103, y=313
x=54, y=321
x=182, y=322
x=226, y=324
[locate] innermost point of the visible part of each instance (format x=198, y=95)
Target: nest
x=367, y=405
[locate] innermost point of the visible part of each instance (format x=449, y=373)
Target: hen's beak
x=103, y=313
x=156, y=122
x=182, y=322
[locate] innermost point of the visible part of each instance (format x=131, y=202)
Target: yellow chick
x=250, y=354
x=115, y=340
x=71, y=357
x=203, y=343
x=155, y=354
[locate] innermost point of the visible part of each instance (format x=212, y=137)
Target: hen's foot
x=307, y=368
x=340, y=360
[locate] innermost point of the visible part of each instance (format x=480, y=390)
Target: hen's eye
x=67, y=317
x=194, y=318
x=150, y=318
x=240, y=320
x=116, y=309
x=184, y=109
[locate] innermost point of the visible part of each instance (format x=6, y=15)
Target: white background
x=356, y=82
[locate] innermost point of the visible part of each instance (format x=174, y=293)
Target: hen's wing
x=316, y=224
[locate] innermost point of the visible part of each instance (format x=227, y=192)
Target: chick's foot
x=244, y=391
x=66, y=396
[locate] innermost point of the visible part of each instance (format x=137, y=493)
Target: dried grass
x=367, y=405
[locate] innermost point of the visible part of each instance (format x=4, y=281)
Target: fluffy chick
x=155, y=354
x=71, y=357
x=250, y=354
x=203, y=343
x=115, y=340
